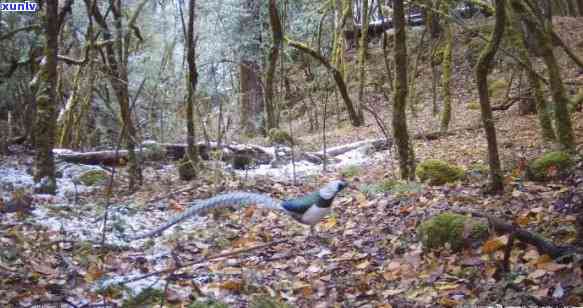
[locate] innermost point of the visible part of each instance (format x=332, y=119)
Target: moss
x=185, y=170
x=350, y=171
x=393, y=186
x=267, y=302
x=93, y=177
x=208, y=304
x=437, y=172
x=473, y=105
x=148, y=297
x=153, y=151
x=279, y=136
x=497, y=87
x=549, y=165
x=449, y=228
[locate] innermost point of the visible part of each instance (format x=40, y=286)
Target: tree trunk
x=543, y=35
x=447, y=70
x=538, y=95
x=354, y=119
x=482, y=70
x=399, y=121
x=277, y=36
x=46, y=102
x=363, y=50
x=188, y=168
x=117, y=54
x=251, y=91
x=432, y=19
x=251, y=104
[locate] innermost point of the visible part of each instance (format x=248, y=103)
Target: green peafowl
x=307, y=210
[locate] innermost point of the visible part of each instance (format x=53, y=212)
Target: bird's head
x=330, y=190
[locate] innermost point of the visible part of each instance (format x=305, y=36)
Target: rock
x=455, y=229
x=548, y=166
x=437, y=172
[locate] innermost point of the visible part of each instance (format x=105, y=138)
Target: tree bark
x=541, y=105
x=363, y=50
x=399, y=121
x=46, y=102
x=483, y=68
x=188, y=168
x=447, y=70
x=117, y=54
x=543, y=36
x=251, y=99
x=277, y=36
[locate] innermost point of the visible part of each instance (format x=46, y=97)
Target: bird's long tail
x=220, y=201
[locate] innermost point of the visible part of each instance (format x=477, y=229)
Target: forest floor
x=366, y=254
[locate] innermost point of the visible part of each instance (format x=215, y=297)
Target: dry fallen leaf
x=495, y=244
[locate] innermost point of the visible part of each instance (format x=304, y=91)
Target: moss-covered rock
x=208, y=304
x=93, y=177
x=393, y=186
x=146, y=298
x=451, y=228
x=549, y=166
x=475, y=105
x=438, y=172
x=497, y=87
x=279, y=136
x=185, y=170
x=351, y=171
x=153, y=151
x=267, y=302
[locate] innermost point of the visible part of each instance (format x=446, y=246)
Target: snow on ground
x=84, y=221
x=357, y=157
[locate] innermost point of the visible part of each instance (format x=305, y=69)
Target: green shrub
x=549, y=165
x=438, y=172
x=449, y=228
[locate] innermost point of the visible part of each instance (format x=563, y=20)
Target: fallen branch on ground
x=543, y=246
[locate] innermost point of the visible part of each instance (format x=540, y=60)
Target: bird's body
x=307, y=210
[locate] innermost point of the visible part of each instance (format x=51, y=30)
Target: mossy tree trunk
x=399, y=119
x=46, y=102
x=519, y=35
x=483, y=68
x=277, y=37
x=543, y=35
x=192, y=80
x=362, y=53
x=447, y=70
x=341, y=85
x=117, y=55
